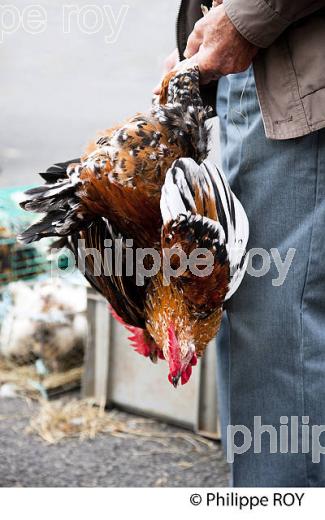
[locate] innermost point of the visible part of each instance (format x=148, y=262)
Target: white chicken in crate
x=45, y=320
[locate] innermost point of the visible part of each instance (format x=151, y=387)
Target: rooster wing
x=199, y=210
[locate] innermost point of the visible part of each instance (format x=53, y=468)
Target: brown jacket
x=289, y=68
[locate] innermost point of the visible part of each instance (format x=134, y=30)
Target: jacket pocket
x=306, y=42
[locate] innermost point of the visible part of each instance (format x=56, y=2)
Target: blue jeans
x=272, y=357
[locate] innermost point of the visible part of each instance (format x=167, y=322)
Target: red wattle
x=186, y=375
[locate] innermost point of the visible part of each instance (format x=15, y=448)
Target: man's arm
x=226, y=40
x=262, y=21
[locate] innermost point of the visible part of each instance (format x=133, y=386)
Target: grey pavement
x=106, y=461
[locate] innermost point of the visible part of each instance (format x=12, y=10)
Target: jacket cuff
x=256, y=20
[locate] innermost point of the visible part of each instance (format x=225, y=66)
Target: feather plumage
x=112, y=194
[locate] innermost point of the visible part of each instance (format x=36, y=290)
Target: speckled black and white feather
x=184, y=113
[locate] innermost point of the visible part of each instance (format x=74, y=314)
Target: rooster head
x=171, y=325
x=180, y=359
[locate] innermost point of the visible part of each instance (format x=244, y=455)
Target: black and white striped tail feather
x=178, y=192
x=58, y=171
x=235, y=223
x=57, y=200
x=177, y=196
x=178, y=199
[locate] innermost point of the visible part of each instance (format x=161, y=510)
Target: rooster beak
x=175, y=380
x=153, y=356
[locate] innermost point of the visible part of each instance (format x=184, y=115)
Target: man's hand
x=169, y=63
x=217, y=47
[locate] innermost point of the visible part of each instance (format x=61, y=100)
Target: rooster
x=148, y=180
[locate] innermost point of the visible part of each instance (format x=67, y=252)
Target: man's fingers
x=208, y=76
x=192, y=47
x=194, y=41
x=157, y=89
x=207, y=66
x=169, y=64
x=171, y=61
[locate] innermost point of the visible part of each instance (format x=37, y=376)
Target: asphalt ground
x=26, y=460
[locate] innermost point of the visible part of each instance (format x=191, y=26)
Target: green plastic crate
x=17, y=261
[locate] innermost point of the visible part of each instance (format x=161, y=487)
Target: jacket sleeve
x=262, y=21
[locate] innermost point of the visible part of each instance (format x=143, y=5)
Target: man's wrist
x=236, y=33
x=255, y=20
